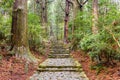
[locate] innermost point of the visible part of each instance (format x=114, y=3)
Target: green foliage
x=34, y=29
x=100, y=46
x=117, y=56
x=82, y=26
x=5, y=20
x=98, y=68
x=5, y=27
x=83, y=22
x=7, y=4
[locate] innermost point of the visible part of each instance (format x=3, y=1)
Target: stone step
x=59, y=76
x=60, y=67
x=59, y=56
x=62, y=52
x=59, y=52
x=57, y=47
x=60, y=70
x=59, y=62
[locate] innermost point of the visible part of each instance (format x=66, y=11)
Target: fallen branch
x=114, y=38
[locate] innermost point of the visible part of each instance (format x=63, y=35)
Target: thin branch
x=81, y=4
x=85, y=2
x=114, y=38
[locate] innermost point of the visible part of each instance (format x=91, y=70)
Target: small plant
x=97, y=67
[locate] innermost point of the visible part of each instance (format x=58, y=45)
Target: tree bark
x=67, y=12
x=19, y=30
x=44, y=21
x=95, y=17
x=76, y=9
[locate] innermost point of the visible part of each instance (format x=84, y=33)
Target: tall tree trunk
x=76, y=9
x=77, y=6
x=95, y=17
x=43, y=13
x=19, y=30
x=34, y=6
x=43, y=16
x=67, y=8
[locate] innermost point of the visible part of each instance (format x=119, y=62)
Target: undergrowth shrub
x=99, y=47
x=102, y=47
x=35, y=38
x=82, y=25
x=5, y=29
x=5, y=21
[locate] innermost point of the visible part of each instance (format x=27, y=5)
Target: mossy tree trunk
x=19, y=30
x=95, y=17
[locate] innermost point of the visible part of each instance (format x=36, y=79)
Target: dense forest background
x=92, y=26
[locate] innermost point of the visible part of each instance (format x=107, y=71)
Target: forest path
x=59, y=66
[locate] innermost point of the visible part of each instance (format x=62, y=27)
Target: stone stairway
x=59, y=66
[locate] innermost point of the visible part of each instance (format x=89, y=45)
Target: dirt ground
x=12, y=68
x=109, y=73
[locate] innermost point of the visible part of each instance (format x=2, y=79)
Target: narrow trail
x=59, y=66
